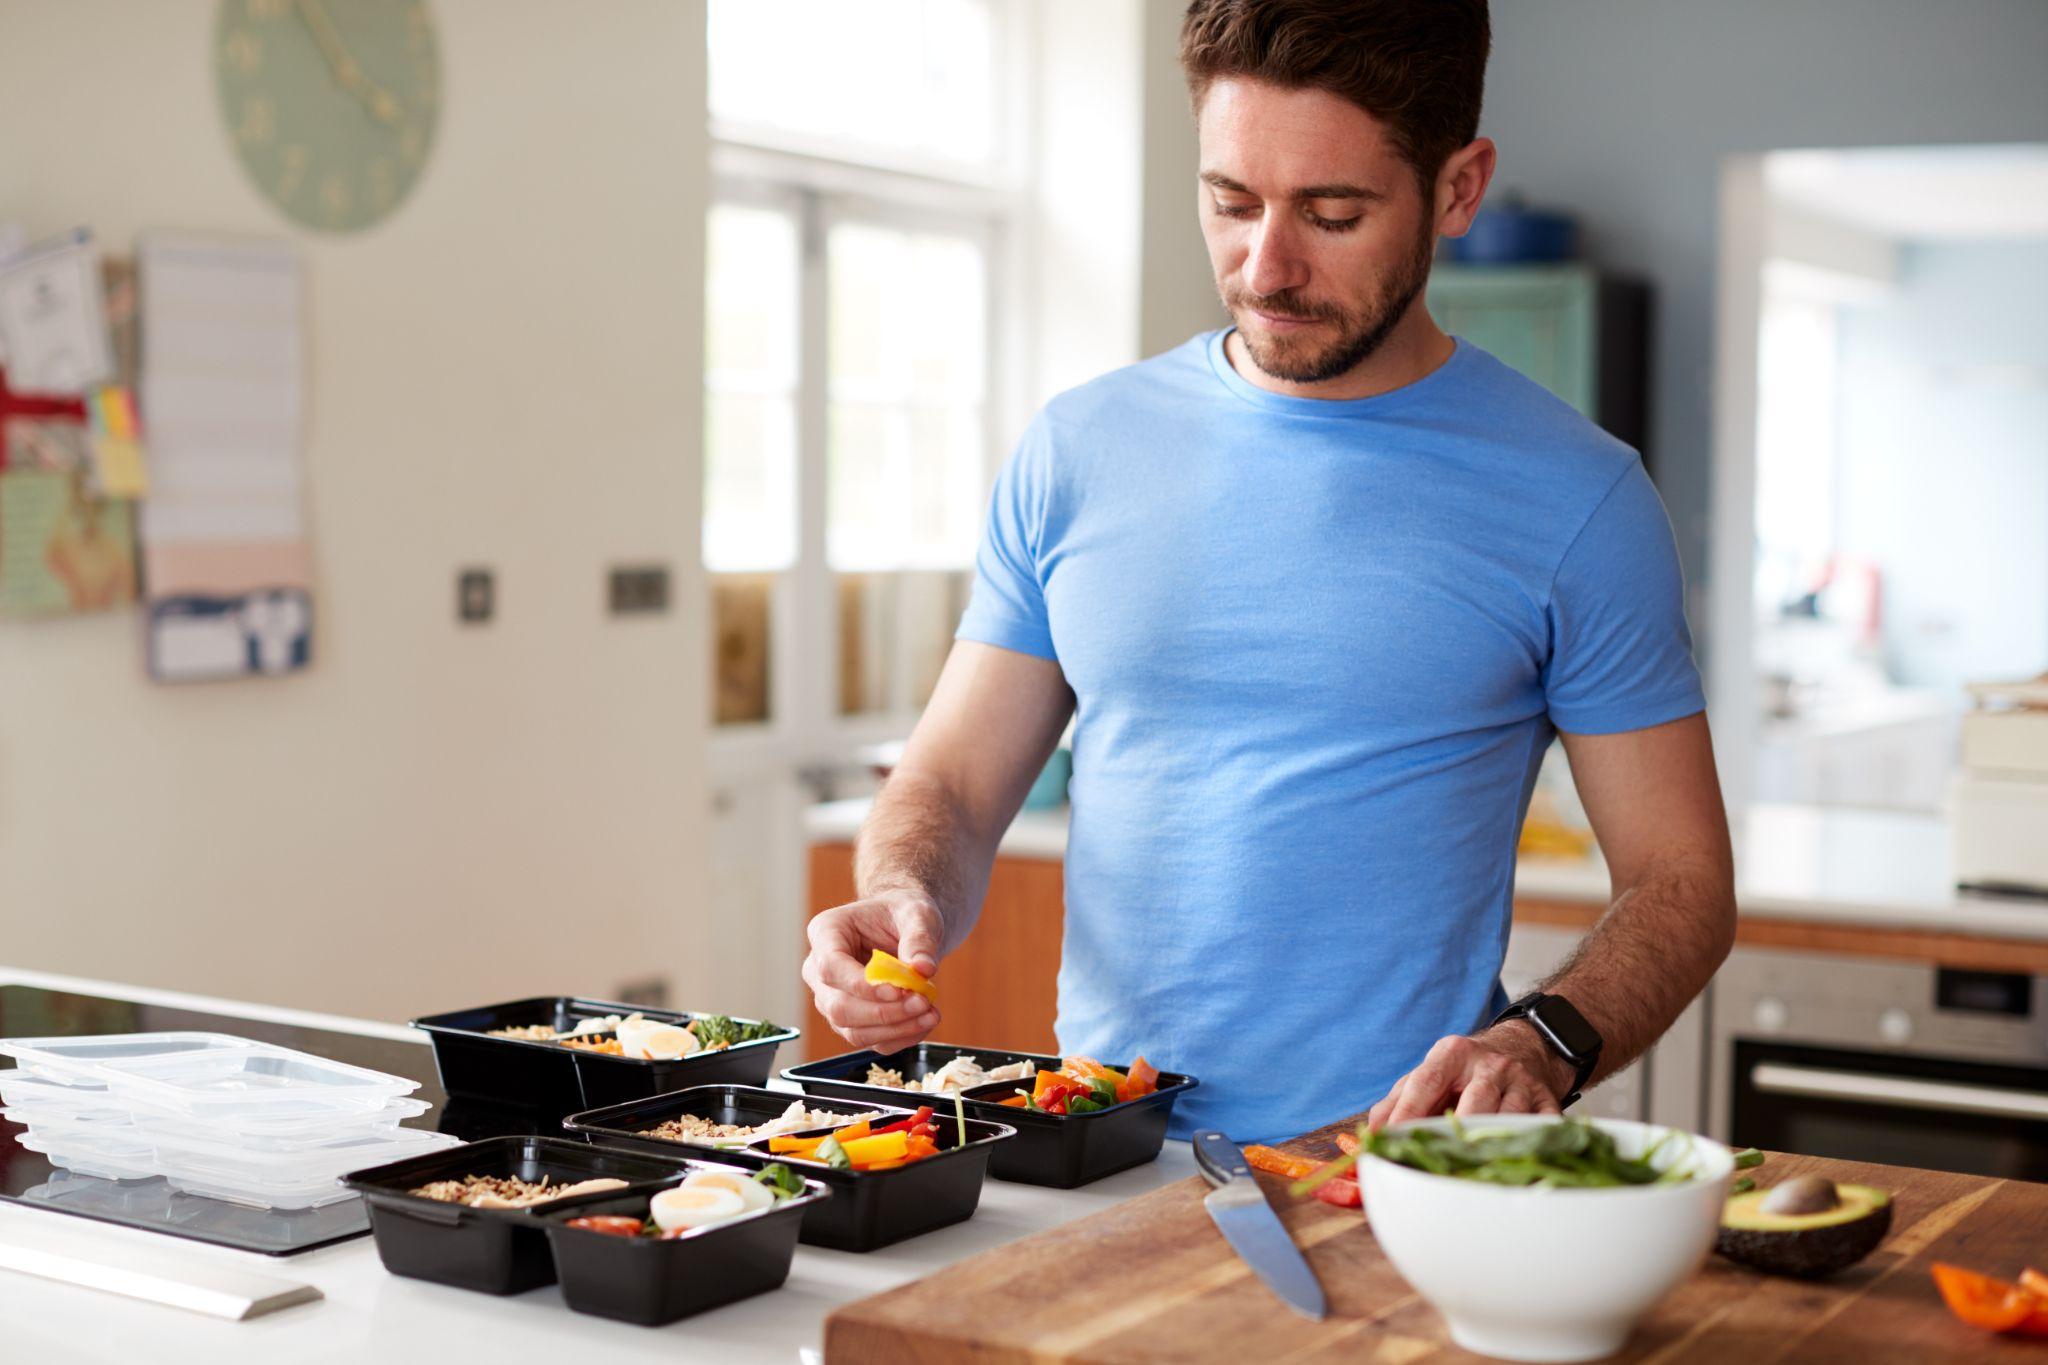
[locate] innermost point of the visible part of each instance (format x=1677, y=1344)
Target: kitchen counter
x=1829, y=865
x=369, y=1314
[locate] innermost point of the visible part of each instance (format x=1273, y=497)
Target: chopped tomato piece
x=922, y=1116
x=1982, y=1301
x=611, y=1224
x=1342, y=1191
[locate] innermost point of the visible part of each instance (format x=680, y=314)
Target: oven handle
x=1775, y=1078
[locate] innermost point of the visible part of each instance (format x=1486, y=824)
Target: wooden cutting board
x=1152, y=1279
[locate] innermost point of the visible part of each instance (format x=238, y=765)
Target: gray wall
x=1622, y=110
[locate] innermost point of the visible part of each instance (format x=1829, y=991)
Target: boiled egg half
x=694, y=1206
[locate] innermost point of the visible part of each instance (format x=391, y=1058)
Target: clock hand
x=347, y=72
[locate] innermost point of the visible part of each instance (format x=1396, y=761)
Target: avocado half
x=1807, y=1226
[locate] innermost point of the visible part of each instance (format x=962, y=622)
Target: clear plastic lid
x=86, y=1158
x=287, y=1132
x=261, y=1171
x=77, y=1061
x=230, y=1083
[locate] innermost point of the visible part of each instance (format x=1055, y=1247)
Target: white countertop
x=370, y=1315
x=1882, y=869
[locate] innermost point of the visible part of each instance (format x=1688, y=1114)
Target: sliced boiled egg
x=693, y=1206
x=654, y=1040
x=753, y=1194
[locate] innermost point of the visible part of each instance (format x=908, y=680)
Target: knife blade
x=1248, y=1223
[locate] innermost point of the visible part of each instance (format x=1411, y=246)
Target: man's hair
x=1418, y=66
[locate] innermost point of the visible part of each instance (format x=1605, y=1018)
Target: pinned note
x=116, y=444
x=53, y=318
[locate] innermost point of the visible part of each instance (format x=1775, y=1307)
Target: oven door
x=1900, y=1110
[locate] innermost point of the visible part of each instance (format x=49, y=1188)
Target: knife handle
x=1219, y=1158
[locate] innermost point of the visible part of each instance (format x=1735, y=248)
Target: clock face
x=330, y=104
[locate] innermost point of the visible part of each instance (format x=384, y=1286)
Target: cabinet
x=1000, y=990
x=1581, y=334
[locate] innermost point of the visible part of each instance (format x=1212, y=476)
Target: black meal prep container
x=654, y=1280
x=495, y=1251
x=553, y=1080
x=868, y=1209
x=1050, y=1149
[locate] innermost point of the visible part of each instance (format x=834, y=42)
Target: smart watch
x=1564, y=1029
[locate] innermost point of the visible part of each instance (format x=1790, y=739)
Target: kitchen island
x=368, y=1314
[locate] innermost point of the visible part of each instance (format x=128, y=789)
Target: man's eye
x=1334, y=224
x=1235, y=210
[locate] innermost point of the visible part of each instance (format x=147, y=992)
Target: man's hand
x=1506, y=1069
x=881, y=1017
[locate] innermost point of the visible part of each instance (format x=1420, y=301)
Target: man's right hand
x=867, y=1015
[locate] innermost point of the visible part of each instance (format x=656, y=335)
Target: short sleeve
x=1621, y=656
x=1007, y=608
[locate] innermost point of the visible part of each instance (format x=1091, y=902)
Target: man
x=1321, y=588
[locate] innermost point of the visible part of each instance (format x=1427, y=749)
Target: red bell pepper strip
x=1342, y=1191
x=922, y=1116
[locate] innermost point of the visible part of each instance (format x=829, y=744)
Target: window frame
x=805, y=726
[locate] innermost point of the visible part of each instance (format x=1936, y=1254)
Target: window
x=851, y=263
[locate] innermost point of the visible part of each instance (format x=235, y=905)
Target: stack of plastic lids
x=213, y=1114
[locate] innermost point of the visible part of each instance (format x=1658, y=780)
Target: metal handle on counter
x=1774, y=1078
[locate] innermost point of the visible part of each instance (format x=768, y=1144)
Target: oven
x=1870, y=1060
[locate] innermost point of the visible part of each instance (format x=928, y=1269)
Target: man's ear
x=1461, y=186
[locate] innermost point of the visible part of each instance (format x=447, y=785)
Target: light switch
x=475, y=596
x=639, y=588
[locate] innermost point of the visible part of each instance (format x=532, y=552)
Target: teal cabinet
x=1581, y=334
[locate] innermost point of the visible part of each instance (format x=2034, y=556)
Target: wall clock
x=330, y=104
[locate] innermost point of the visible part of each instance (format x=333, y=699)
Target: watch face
x=1566, y=1026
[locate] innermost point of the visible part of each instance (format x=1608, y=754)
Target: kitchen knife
x=1250, y=1226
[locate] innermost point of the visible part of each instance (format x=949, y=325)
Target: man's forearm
x=917, y=838
x=1652, y=952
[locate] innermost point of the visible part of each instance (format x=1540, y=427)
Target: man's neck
x=1413, y=350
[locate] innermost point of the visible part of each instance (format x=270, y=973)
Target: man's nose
x=1275, y=260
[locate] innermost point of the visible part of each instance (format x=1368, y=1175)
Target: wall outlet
x=476, y=596
x=639, y=588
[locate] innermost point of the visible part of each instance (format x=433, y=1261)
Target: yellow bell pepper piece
x=881, y=1147
x=886, y=970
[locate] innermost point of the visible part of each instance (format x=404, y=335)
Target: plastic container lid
x=21, y=1090
x=232, y=1083
x=193, y=1151
x=288, y=1132
x=92, y=1154
x=77, y=1061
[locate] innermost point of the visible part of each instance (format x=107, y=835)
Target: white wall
x=503, y=373
x=1177, y=289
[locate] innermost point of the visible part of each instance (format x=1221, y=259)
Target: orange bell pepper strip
x=1982, y=1301
x=1142, y=1080
x=885, y=969
x=1015, y=1101
x=1276, y=1162
x=796, y=1146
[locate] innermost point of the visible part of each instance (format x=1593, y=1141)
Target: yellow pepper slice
x=886, y=970
x=880, y=1147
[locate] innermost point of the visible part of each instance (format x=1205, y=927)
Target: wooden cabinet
x=1580, y=334
x=1001, y=989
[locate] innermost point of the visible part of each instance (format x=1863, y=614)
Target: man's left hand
x=1506, y=1069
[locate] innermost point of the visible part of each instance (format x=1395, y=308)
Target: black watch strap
x=1564, y=1031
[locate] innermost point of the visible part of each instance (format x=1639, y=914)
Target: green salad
x=713, y=1029
x=1567, y=1154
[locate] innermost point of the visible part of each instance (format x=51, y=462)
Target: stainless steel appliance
x=1881, y=1061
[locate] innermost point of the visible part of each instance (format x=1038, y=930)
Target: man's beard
x=1297, y=359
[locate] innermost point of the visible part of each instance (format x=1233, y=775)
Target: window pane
x=897, y=77
x=907, y=371
x=741, y=615
x=750, y=344
x=749, y=482
x=750, y=287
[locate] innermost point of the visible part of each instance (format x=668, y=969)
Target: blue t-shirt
x=1319, y=648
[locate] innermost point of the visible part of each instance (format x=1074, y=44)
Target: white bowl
x=1541, y=1274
